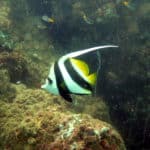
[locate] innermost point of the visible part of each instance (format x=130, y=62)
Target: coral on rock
x=33, y=119
x=94, y=106
x=20, y=68
x=6, y=42
x=7, y=92
x=5, y=21
x=38, y=120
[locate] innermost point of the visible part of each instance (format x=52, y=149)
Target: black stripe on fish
x=62, y=87
x=76, y=77
x=49, y=80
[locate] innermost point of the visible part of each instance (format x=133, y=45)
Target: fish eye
x=49, y=80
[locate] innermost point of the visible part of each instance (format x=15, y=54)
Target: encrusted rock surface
x=38, y=120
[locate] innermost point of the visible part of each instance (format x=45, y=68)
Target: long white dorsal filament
x=81, y=52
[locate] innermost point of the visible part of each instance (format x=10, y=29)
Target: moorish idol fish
x=69, y=75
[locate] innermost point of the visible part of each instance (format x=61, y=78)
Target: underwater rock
x=80, y=24
x=5, y=21
x=32, y=36
x=76, y=20
x=107, y=13
x=144, y=9
x=132, y=25
x=93, y=106
x=7, y=91
x=39, y=120
x=6, y=42
x=20, y=68
x=126, y=90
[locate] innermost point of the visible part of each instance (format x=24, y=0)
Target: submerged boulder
x=20, y=68
x=4, y=15
x=39, y=120
x=7, y=92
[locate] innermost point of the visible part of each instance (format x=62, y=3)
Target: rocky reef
x=38, y=120
x=34, y=119
x=19, y=68
x=28, y=45
x=4, y=15
x=7, y=92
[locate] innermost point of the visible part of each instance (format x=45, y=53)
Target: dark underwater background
x=29, y=45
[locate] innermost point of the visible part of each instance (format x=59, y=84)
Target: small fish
x=125, y=3
x=48, y=19
x=129, y=5
x=69, y=75
x=18, y=82
x=87, y=19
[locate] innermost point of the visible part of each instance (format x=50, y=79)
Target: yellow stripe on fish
x=81, y=65
x=83, y=69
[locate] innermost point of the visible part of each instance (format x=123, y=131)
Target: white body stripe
x=52, y=88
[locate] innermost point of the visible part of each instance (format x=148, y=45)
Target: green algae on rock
x=38, y=120
x=93, y=106
x=20, y=68
x=5, y=21
x=79, y=24
x=7, y=91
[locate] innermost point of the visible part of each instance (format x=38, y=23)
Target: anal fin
x=67, y=97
